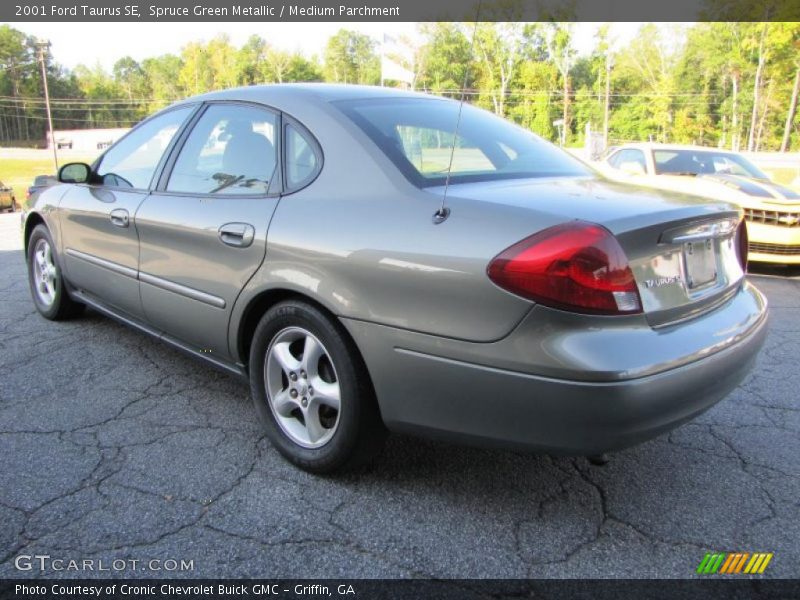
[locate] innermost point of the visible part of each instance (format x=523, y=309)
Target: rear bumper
x=426, y=392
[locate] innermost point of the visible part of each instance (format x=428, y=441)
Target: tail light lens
x=742, y=245
x=576, y=266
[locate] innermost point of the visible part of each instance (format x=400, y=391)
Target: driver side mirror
x=74, y=173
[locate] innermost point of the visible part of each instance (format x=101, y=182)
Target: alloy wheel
x=45, y=272
x=302, y=387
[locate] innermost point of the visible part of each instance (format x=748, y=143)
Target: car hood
x=757, y=188
x=744, y=191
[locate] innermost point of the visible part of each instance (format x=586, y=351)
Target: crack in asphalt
x=113, y=444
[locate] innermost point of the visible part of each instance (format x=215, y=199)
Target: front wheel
x=44, y=276
x=311, y=390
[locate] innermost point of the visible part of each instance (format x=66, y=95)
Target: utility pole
x=43, y=46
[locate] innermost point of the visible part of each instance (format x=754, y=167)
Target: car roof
x=285, y=94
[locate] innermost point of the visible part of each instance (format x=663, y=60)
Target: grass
x=19, y=172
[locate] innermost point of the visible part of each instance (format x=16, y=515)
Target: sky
x=108, y=42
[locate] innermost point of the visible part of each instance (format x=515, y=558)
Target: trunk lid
x=681, y=249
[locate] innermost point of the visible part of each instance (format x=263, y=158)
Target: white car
x=772, y=211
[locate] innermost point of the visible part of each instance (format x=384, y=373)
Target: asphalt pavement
x=115, y=447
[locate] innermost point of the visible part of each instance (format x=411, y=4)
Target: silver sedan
x=370, y=260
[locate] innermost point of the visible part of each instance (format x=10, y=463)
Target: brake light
x=742, y=244
x=576, y=266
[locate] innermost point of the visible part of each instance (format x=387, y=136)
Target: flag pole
x=383, y=46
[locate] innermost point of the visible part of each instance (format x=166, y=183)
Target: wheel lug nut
x=304, y=401
x=293, y=376
x=310, y=391
x=293, y=393
x=303, y=374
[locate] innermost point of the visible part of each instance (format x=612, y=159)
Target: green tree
x=17, y=69
x=350, y=58
x=532, y=105
x=195, y=76
x=562, y=54
x=500, y=48
x=163, y=76
x=445, y=60
x=644, y=73
x=301, y=68
x=248, y=60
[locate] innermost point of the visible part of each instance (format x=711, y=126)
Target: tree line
x=732, y=85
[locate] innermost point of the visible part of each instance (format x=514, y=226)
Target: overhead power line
x=95, y=122
x=80, y=102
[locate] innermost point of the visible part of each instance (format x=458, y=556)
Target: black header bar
x=399, y=10
x=379, y=589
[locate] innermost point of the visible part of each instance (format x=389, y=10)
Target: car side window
x=630, y=155
x=300, y=156
x=230, y=151
x=132, y=162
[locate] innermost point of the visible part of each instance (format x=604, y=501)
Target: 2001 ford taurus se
x=336, y=246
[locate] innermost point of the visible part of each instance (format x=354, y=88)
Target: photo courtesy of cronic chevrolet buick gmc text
x=298, y=236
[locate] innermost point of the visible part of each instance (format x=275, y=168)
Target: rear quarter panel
x=361, y=241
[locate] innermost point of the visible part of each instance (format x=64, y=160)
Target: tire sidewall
x=41, y=232
x=338, y=449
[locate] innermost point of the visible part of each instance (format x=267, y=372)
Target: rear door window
x=230, y=151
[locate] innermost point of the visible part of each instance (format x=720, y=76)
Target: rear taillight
x=742, y=245
x=575, y=266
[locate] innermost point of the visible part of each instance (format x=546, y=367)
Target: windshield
x=701, y=162
x=416, y=134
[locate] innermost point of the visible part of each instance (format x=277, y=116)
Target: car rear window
x=418, y=135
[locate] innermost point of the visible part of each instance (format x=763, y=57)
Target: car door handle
x=120, y=217
x=238, y=235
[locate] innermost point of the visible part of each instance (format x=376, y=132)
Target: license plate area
x=700, y=260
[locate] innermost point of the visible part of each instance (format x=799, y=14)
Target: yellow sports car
x=772, y=211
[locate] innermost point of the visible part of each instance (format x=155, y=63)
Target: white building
x=87, y=140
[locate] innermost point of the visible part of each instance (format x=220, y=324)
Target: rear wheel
x=44, y=276
x=311, y=390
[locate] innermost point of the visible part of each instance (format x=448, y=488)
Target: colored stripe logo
x=734, y=563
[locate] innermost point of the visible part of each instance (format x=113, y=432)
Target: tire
x=49, y=292
x=296, y=339
x=14, y=206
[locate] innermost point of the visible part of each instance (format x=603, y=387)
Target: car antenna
x=441, y=214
